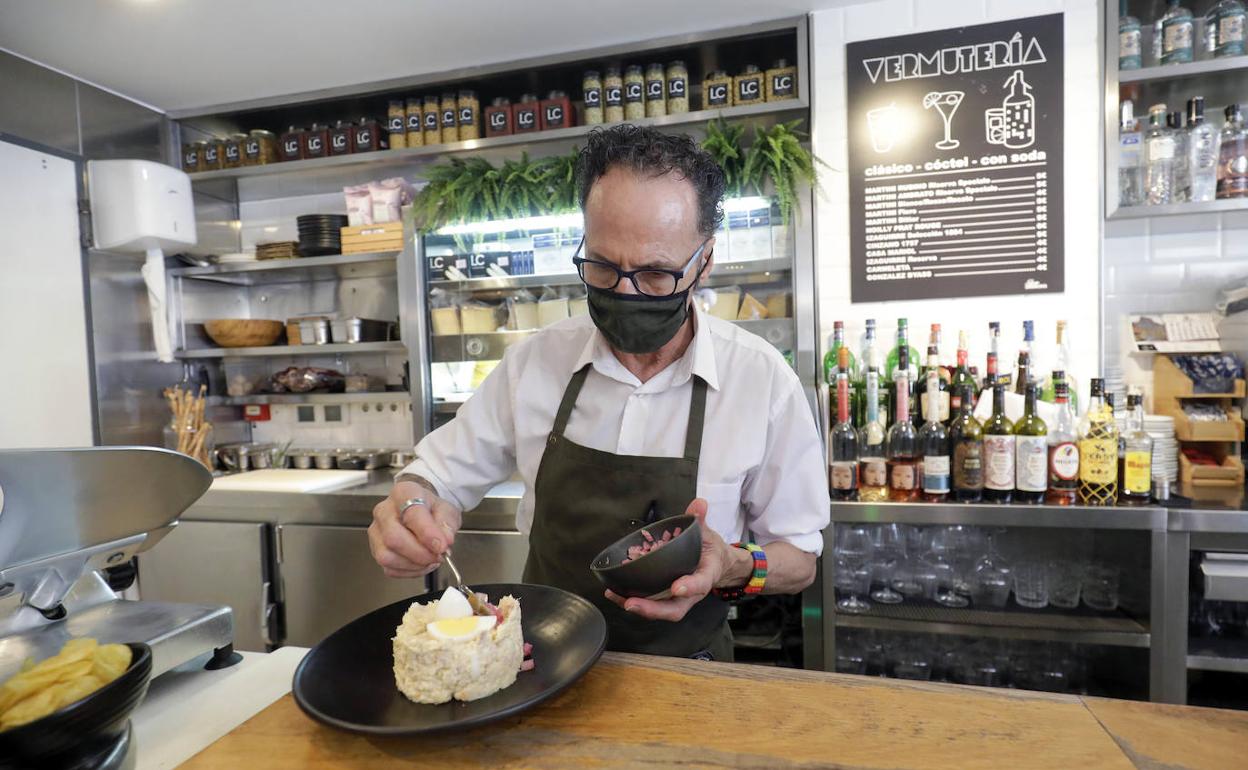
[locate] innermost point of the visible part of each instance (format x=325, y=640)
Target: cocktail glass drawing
x=882, y=125
x=947, y=103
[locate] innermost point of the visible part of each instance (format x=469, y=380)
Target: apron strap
x=569, y=400
x=697, y=413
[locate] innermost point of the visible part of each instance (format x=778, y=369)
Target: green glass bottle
x=891, y=364
x=966, y=437
x=998, y=450
x=1031, y=452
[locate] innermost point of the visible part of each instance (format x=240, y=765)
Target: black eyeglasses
x=652, y=282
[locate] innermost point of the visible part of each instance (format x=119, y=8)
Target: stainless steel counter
x=351, y=507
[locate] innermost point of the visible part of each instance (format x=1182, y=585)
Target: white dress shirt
x=761, y=466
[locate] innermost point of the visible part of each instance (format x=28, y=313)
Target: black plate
x=347, y=681
x=84, y=728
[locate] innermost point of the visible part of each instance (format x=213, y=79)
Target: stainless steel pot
x=234, y=457
x=266, y=456
x=362, y=459
x=303, y=459
x=324, y=459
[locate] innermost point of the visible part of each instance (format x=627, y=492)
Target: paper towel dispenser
x=137, y=205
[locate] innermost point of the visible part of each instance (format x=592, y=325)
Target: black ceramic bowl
x=652, y=573
x=82, y=729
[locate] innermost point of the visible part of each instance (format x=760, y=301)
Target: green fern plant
x=723, y=142
x=777, y=156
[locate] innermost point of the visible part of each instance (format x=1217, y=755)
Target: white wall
x=830, y=31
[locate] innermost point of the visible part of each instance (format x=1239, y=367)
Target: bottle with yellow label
x=1137, y=473
x=1098, y=451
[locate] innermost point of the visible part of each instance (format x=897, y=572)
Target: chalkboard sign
x=955, y=162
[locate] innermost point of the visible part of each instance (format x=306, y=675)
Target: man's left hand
x=717, y=559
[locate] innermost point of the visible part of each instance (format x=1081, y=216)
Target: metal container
x=401, y=458
x=314, y=331
x=235, y=458
x=266, y=456
x=303, y=459
x=356, y=329
x=362, y=459
x=323, y=459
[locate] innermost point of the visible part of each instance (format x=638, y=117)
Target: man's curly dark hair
x=649, y=152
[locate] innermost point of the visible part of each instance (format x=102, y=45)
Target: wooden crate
x=1169, y=381
x=364, y=239
x=1187, y=430
x=1229, y=474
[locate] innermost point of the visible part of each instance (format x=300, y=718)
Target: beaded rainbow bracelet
x=758, y=578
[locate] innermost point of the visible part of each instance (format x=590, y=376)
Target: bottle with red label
x=290, y=146
x=526, y=114
x=1063, y=441
x=498, y=117
x=556, y=111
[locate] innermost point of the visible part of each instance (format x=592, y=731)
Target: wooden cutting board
x=289, y=480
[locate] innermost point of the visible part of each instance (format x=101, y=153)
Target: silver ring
x=411, y=502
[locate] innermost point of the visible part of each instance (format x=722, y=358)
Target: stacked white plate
x=236, y=257
x=1165, y=448
x=1116, y=384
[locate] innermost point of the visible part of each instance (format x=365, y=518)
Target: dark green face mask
x=635, y=323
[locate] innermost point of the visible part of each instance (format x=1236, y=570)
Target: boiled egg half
x=455, y=621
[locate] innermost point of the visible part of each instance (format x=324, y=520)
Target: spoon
x=474, y=601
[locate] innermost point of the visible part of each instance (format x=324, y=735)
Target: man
x=645, y=407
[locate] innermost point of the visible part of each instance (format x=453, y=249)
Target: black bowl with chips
x=85, y=729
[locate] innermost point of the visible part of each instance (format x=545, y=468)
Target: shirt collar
x=698, y=359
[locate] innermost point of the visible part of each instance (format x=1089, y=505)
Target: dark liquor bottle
x=843, y=438
x=934, y=441
x=966, y=437
x=903, y=439
x=1031, y=452
x=992, y=366
x=1063, y=443
x=961, y=377
x=894, y=362
x=1023, y=375
x=998, y=451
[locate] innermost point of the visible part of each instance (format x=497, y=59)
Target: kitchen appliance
x=66, y=515
x=138, y=205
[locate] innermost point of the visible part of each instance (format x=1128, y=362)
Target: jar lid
x=780, y=64
x=316, y=127
x=449, y=95
x=717, y=75
x=556, y=95
x=202, y=142
x=364, y=120
x=633, y=69
x=396, y=103
x=501, y=101
x=236, y=137
x=260, y=132
x=676, y=63
x=431, y=98
x=467, y=94
x=613, y=72
x=654, y=66
x=528, y=98
x=750, y=69
x=342, y=124
x=591, y=74
x=413, y=100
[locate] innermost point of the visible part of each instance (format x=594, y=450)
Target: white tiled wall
x=377, y=425
x=1167, y=264
x=831, y=30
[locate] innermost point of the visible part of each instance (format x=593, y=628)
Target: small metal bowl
x=324, y=459
x=652, y=574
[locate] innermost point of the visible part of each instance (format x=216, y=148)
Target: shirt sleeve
x=476, y=451
x=786, y=497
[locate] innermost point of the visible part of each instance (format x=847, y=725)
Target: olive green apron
x=586, y=499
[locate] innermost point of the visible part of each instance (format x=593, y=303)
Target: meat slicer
x=67, y=514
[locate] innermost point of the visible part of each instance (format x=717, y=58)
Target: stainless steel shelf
x=727, y=273
x=1114, y=630
x=1016, y=515
x=1229, y=655
x=1179, y=209
x=279, y=351
x=1188, y=70
x=270, y=271
x=790, y=108
x=490, y=347
x=386, y=397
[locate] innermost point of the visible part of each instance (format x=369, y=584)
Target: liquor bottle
x=843, y=438
x=942, y=379
x=1031, y=452
x=1177, y=43
x=1158, y=159
x=903, y=440
x=1138, y=462
x=872, y=470
x=1233, y=155
x=1098, y=451
x=831, y=358
x=966, y=437
x=894, y=358
x=1128, y=39
x=1061, y=366
x=934, y=442
x=992, y=371
x=858, y=390
x=1182, y=178
x=1130, y=158
x=1156, y=42
x=961, y=378
x=1226, y=19
x=998, y=451
x=1063, y=444
x=1023, y=377
x=1202, y=153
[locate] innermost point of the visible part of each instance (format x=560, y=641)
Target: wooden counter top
x=632, y=711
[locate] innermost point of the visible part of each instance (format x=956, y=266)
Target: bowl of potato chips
x=73, y=704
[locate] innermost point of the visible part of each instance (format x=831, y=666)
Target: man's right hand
x=412, y=546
